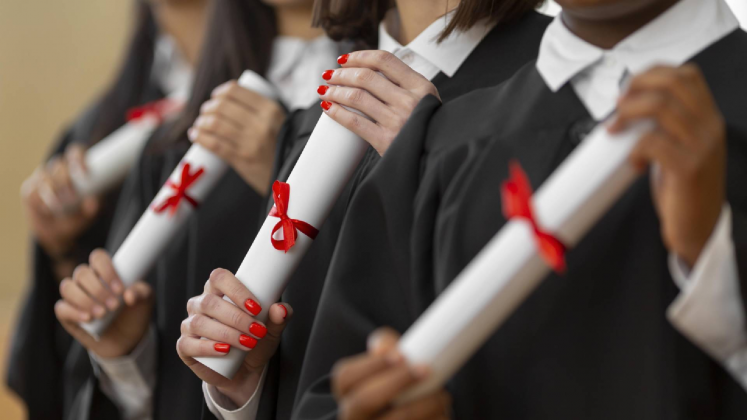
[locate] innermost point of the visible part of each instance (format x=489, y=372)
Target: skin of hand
x=241, y=127
x=96, y=288
x=381, y=86
x=57, y=214
x=689, y=148
x=223, y=325
x=365, y=386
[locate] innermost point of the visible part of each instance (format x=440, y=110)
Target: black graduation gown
x=40, y=350
x=495, y=59
x=594, y=343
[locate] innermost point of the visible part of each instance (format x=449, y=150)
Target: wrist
x=243, y=390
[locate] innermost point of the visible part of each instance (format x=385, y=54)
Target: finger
x=223, y=282
x=657, y=146
x=72, y=292
x=45, y=190
x=217, y=125
x=227, y=314
x=75, y=155
x=220, y=146
x=378, y=392
x=89, y=207
x=666, y=79
x=192, y=347
x=138, y=292
x=350, y=372
x=388, y=64
x=244, y=97
x=361, y=100
x=425, y=408
x=199, y=325
x=669, y=115
x=227, y=109
x=368, y=80
x=383, y=341
x=94, y=286
x=30, y=193
x=66, y=312
x=354, y=122
x=103, y=265
x=61, y=182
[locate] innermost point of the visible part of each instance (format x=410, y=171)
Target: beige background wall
x=55, y=56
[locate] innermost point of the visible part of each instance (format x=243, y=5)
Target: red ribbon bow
x=180, y=191
x=158, y=109
x=281, y=195
x=517, y=194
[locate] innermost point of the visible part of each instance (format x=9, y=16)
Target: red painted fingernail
x=253, y=307
x=284, y=310
x=322, y=89
x=222, y=347
x=326, y=105
x=327, y=74
x=258, y=330
x=247, y=341
x=343, y=59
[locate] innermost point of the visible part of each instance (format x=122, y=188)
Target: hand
x=365, y=386
x=58, y=216
x=241, y=127
x=223, y=325
x=388, y=100
x=93, y=289
x=689, y=146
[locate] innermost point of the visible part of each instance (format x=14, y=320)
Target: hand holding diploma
x=365, y=386
x=96, y=288
x=668, y=118
x=224, y=325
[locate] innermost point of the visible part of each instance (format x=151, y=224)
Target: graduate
x=137, y=352
x=648, y=321
x=481, y=46
x=67, y=228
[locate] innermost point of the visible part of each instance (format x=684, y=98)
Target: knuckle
x=363, y=76
x=196, y=322
x=356, y=122
x=354, y=96
x=184, y=327
x=238, y=320
x=208, y=303
x=80, y=271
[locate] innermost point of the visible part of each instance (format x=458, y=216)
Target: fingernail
x=222, y=347
x=112, y=303
x=99, y=310
x=322, y=89
x=343, y=59
x=253, y=307
x=258, y=330
x=247, y=341
x=285, y=311
x=327, y=74
x=326, y=105
x=116, y=287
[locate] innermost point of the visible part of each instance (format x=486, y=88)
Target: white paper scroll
x=155, y=230
x=509, y=268
x=109, y=160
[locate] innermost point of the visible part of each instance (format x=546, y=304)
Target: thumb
x=138, y=293
x=382, y=341
x=278, y=317
x=89, y=207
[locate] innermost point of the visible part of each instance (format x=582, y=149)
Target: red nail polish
x=284, y=310
x=247, y=341
x=327, y=74
x=258, y=330
x=322, y=89
x=253, y=307
x=222, y=347
x=326, y=105
x=343, y=59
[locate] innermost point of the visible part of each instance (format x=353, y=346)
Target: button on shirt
x=709, y=310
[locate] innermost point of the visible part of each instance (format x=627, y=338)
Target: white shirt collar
x=672, y=38
x=446, y=56
x=170, y=70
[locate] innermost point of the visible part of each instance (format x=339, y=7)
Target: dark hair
x=239, y=37
x=358, y=20
x=129, y=87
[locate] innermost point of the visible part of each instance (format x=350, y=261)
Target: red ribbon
x=180, y=191
x=517, y=194
x=158, y=109
x=281, y=196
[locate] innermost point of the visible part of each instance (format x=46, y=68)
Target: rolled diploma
x=109, y=160
x=509, y=268
x=154, y=231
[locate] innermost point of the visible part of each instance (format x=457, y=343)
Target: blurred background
x=55, y=57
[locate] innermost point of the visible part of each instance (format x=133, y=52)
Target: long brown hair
x=239, y=37
x=358, y=20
